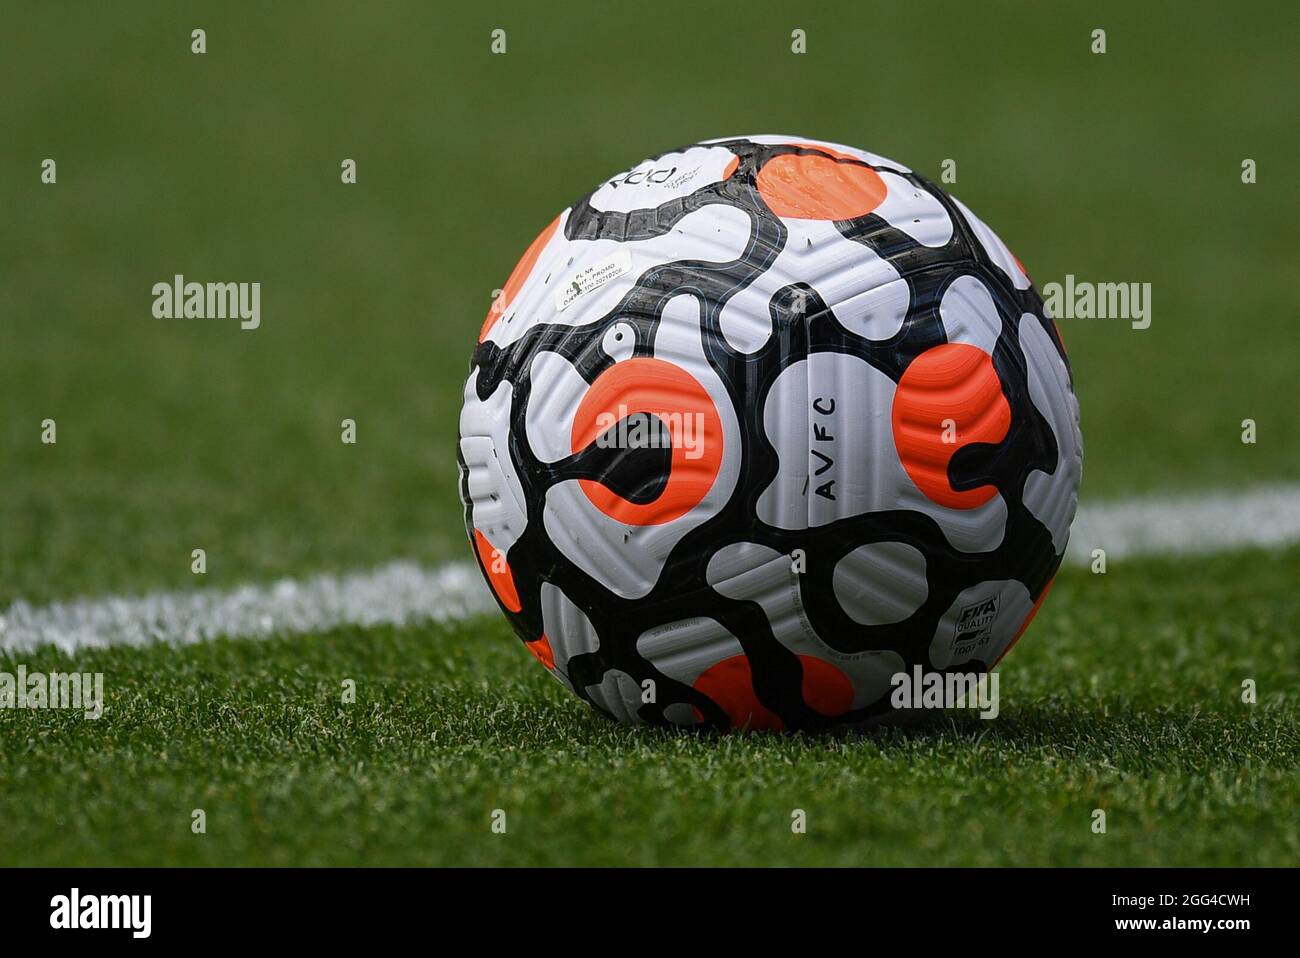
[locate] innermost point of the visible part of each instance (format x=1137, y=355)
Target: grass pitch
x=1124, y=696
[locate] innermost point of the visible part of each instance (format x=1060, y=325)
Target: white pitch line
x=404, y=594
x=401, y=593
x=1193, y=524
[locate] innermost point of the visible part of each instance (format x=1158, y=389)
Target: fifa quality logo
x=975, y=626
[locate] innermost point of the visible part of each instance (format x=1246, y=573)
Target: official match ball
x=759, y=424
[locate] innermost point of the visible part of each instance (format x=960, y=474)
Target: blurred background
x=176, y=434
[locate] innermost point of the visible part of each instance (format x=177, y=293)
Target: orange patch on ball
x=499, y=575
x=518, y=276
x=949, y=397
x=820, y=186
x=730, y=684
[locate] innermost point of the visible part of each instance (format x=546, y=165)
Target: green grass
x=1124, y=696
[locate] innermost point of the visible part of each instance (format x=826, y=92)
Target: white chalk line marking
x=399, y=594
x=1189, y=525
x=405, y=594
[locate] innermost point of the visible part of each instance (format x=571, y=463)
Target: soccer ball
x=760, y=423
